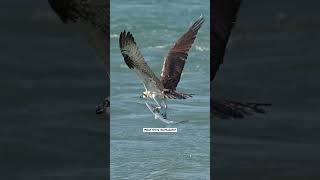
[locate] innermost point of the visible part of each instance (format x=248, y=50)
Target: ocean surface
x=156, y=25
x=51, y=82
x=273, y=56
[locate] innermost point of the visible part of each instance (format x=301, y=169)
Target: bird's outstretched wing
x=174, y=62
x=94, y=12
x=233, y=109
x=224, y=16
x=134, y=60
x=92, y=17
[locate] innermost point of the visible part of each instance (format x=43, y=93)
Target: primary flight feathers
x=94, y=12
x=91, y=17
x=177, y=56
x=224, y=16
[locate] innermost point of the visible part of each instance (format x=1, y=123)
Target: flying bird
x=92, y=18
x=164, y=88
x=224, y=17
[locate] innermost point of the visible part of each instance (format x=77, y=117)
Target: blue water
x=51, y=82
x=137, y=155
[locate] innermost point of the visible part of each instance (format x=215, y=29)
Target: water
x=51, y=82
x=50, y=85
x=136, y=155
x=272, y=57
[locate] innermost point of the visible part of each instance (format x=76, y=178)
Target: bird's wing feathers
x=233, y=109
x=174, y=62
x=224, y=16
x=94, y=12
x=92, y=17
x=134, y=60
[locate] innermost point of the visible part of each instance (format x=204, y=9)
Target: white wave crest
x=200, y=48
x=114, y=36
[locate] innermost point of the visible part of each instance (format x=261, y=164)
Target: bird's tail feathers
x=235, y=109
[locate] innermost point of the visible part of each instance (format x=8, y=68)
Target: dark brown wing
x=135, y=61
x=177, y=56
x=94, y=12
x=224, y=16
x=92, y=17
x=234, y=109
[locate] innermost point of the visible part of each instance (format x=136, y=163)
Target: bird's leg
x=162, y=106
x=155, y=98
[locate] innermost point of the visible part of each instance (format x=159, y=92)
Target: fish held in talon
x=224, y=17
x=159, y=90
x=155, y=110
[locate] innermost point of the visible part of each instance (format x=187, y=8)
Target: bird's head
x=144, y=95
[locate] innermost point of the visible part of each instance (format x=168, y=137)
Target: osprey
x=92, y=17
x=165, y=87
x=224, y=18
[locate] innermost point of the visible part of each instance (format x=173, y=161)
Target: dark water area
x=51, y=82
x=272, y=57
x=50, y=85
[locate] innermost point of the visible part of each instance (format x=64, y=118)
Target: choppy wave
x=114, y=36
x=202, y=48
x=164, y=46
